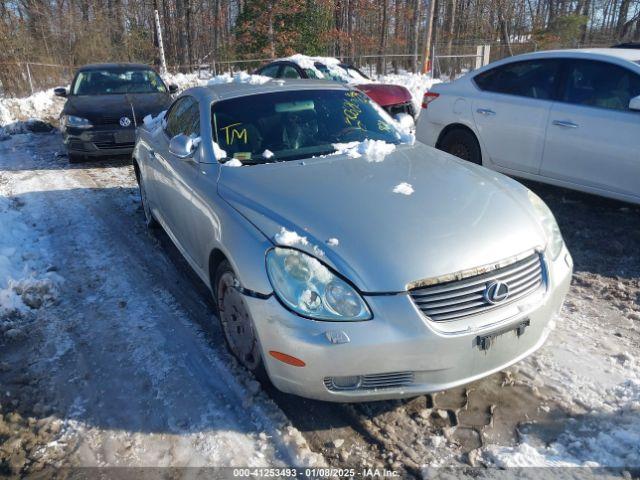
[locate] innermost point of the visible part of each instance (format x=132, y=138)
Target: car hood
x=96, y=108
x=460, y=216
x=385, y=94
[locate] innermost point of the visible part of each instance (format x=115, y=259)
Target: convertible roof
x=116, y=66
x=237, y=89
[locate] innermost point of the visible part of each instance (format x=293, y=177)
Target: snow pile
x=23, y=286
x=403, y=188
x=219, y=153
x=43, y=105
x=234, y=162
x=183, y=80
x=416, y=83
x=151, y=122
x=239, y=77
x=333, y=242
x=373, y=150
x=608, y=439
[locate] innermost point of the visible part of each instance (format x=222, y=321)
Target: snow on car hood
x=417, y=214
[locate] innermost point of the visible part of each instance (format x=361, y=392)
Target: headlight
x=549, y=224
x=75, y=122
x=309, y=288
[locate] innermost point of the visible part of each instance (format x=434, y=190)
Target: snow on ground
x=239, y=77
x=126, y=363
x=43, y=105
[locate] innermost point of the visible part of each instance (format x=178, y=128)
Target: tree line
x=74, y=32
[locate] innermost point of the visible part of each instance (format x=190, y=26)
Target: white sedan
x=568, y=117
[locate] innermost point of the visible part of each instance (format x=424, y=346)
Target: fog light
x=345, y=383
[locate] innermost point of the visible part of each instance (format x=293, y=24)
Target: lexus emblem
x=496, y=292
x=125, y=122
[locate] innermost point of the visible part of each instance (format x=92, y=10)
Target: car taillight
x=428, y=98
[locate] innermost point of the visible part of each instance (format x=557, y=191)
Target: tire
x=149, y=219
x=462, y=144
x=76, y=158
x=236, y=322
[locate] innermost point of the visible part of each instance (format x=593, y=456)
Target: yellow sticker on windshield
x=231, y=133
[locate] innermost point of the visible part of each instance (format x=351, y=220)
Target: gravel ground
x=78, y=388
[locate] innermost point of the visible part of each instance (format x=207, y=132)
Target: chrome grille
x=374, y=381
x=460, y=298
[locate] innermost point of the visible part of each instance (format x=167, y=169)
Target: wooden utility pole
x=426, y=66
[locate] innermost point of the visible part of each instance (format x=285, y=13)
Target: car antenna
x=133, y=111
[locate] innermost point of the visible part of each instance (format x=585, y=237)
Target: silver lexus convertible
x=348, y=263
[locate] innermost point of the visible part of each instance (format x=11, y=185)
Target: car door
x=177, y=174
x=511, y=112
x=593, y=138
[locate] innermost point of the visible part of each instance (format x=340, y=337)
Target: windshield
x=297, y=124
x=334, y=72
x=107, y=82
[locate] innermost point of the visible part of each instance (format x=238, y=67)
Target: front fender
x=243, y=245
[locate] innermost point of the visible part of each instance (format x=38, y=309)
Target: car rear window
x=298, y=124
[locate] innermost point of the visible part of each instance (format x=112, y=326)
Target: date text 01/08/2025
x=315, y=472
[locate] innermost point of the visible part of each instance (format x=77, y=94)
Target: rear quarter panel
x=453, y=106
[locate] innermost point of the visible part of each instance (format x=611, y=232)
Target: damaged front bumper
x=401, y=353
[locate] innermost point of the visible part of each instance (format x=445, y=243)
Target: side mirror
x=405, y=121
x=60, y=92
x=182, y=146
x=173, y=88
x=634, y=103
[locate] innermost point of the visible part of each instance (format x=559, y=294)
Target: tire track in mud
x=105, y=213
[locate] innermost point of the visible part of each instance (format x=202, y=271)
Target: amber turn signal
x=288, y=359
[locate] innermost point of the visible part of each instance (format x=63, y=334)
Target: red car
x=395, y=99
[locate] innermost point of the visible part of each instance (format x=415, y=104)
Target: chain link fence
x=446, y=62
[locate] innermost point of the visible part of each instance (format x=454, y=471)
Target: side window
x=270, y=71
x=600, y=84
x=289, y=71
x=183, y=117
x=531, y=78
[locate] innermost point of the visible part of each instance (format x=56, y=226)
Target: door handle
x=486, y=112
x=565, y=124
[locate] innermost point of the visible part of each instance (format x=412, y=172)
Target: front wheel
x=236, y=321
x=149, y=220
x=462, y=144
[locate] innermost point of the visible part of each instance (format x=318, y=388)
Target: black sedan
x=105, y=104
